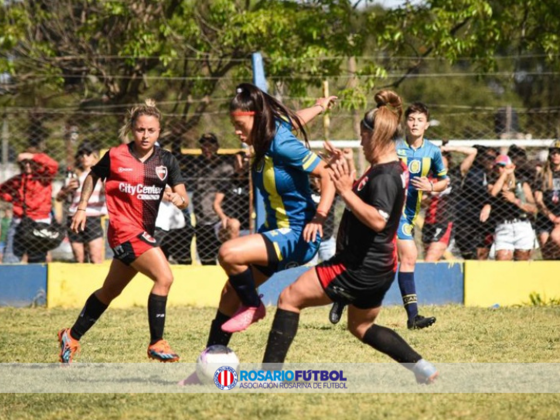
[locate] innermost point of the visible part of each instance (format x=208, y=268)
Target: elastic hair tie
x=367, y=125
x=242, y=113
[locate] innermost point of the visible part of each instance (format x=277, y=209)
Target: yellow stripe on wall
x=269, y=181
x=69, y=286
x=510, y=282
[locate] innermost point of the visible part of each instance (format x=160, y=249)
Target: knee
x=358, y=330
x=165, y=280
x=226, y=255
x=555, y=236
x=285, y=300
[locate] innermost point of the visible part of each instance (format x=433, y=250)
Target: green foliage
x=536, y=300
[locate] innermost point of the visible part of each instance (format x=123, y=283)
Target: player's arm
x=343, y=180
x=321, y=105
x=178, y=196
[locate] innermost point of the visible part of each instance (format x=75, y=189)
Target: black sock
x=217, y=336
x=389, y=342
x=244, y=286
x=408, y=293
x=156, y=316
x=282, y=333
x=93, y=309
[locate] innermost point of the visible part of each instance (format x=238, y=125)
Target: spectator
x=171, y=230
x=4, y=227
x=547, y=196
x=89, y=242
x=209, y=171
x=232, y=202
x=474, y=238
x=511, y=201
x=30, y=194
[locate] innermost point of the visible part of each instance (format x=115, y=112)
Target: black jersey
x=359, y=247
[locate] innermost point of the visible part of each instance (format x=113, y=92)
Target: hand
x=333, y=154
x=174, y=198
x=510, y=169
x=78, y=221
x=342, y=177
x=326, y=103
x=73, y=184
x=422, y=184
x=554, y=219
x=311, y=229
x=509, y=196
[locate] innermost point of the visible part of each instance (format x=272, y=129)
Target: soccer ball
x=213, y=358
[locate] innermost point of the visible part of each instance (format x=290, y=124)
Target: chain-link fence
x=481, y=211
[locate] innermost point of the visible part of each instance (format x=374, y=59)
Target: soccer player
x=135, y=176
x=422, y=158
x=365, y=262
x=292, y=230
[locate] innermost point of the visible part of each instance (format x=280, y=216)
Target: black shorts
x=92, y=231
x=346, y=285
x=543, y=224
x=128, y=251
x=437, y=232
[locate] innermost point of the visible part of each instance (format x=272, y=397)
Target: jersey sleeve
x=175, y=177
x=438, y=169
x=293, y=152
x=103, y=168
x=384, y=192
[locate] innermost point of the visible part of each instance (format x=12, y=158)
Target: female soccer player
x=364, y=265
x=422, y=158
x=291, y=233
x=135, y=176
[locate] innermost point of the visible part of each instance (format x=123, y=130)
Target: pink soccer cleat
x=245, y=316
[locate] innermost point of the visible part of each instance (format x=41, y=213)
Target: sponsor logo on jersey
x=141, y=191
x=121, y=169
x=414, y=166
x=161, y=172
x=362, y=184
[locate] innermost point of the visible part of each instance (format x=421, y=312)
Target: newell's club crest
x=161, y=172
x=225, y=378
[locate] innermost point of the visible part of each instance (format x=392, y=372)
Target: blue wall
x=23, y=285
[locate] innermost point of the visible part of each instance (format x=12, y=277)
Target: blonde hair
x=384, y=121
x=148, y=108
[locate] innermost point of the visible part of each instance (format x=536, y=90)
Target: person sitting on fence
x=30, y=193
x=512, y=201
x=89, y=242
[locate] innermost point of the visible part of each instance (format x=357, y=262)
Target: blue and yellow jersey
x=283, y=181
x=426, y=160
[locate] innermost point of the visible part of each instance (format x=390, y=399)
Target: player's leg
x=153, y=264
x=118, y=277
x=305, y=292
x=383, y=339
x=407, y=261
x=236, y=258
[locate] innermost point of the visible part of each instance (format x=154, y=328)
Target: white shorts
x=514, y=235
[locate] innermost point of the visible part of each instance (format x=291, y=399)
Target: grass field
x=476, y=335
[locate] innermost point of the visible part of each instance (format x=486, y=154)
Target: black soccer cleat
x=336, y=312
x=420, y=322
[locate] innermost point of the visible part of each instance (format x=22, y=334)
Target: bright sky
x=394, y=3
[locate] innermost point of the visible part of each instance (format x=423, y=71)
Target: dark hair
x=267, y=112
x=516, y=152
x=417, y=107
x=208, y=138
x=383, y=121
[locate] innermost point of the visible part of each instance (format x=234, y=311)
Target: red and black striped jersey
x=134, y=189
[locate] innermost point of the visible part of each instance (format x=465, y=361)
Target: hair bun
x=150, y=102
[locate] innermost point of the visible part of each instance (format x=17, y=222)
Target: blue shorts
x=405, y=231
x=287, y=249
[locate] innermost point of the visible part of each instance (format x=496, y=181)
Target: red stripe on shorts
x=328, y=272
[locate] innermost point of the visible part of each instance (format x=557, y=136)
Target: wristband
x=183, y=198
x=322, y=108
x=432, y=184
x=81, y=210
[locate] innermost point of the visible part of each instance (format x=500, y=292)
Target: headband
x=242, y=113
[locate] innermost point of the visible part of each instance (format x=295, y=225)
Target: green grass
x=525, y=334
